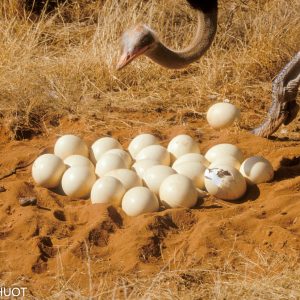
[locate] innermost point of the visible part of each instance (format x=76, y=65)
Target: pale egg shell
x=225, y=183
x=140, y=142
x=139, y=200
x=109, y=162
x=155, y=152
x=222, y=115
x=128, y=177
x=102, y=145
x=155, y=175
x=78, y=181
x=47, y=170
x=141, y=166
x=193, y=170
x=227, y=160
x=221, y=150
x=107, y=190
x=68, y=145
x=123, y=154
x=181, y=145
x=197, y=157
x=257, y=169
x=78, y=161
x=178, y=191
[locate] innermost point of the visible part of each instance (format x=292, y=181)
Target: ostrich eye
x=146, y=40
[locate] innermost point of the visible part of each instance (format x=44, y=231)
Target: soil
x=56, y=236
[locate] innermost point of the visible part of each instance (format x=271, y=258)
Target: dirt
x=55, y=238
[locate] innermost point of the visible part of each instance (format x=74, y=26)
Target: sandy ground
x=54, y=240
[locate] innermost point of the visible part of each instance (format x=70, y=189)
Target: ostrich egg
x=222, y=115
x=128, y=177
x=101, y=146
x=197, y=157
x=141, y=166
x=193, y=170
x=227, y=160
x=225, y=182
x=257, y=169
x=70, y=144
x=107, y=190
x=221, y=150
x=178, y=191
x=155, y=175
x=78, y=181
x=155, y=152
x=47, y=170
x=109, y=162
x=182, y=144
x=141, y=141
x=123, y=154
x=139, y=200
x=78, y=161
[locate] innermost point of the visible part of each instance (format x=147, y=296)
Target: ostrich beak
x=128, y=57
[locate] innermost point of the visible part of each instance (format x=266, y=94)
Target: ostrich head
x=135, y=42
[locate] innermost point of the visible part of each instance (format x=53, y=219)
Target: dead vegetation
x=63, y=63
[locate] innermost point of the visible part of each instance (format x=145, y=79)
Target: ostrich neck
x=207, y=27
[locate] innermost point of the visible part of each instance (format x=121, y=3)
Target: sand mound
x=58, y=236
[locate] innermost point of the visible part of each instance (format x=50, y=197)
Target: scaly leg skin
x=284, y=108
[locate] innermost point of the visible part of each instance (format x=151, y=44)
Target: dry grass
x=64, y=63
x=265, y=278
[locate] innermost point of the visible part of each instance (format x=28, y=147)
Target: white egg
x=155, y=152
x=123, y=154
x=222, y=115
x=107, y=190
x=141, y=166
x=78, y=161
x=227, y=160
x=70, y=144
x=181, y=145
x=197, y=157
x=101, y=146
x=47, y=170
x=178, y=191
x=139, y=200
x=257, y=169
x=222, y=150
x=155, y=175
x=109, y=162
x=78, y=181
x=140, y=142
x=128, y=178
x=193, y=170
x=225, y=182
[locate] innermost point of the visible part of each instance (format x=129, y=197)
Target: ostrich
x=142, y=40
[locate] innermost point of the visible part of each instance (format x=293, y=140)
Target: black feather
x=206, y=6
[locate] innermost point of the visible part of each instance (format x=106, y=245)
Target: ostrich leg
x=284, y=108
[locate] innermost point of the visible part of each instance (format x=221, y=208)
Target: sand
x=60, y=236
